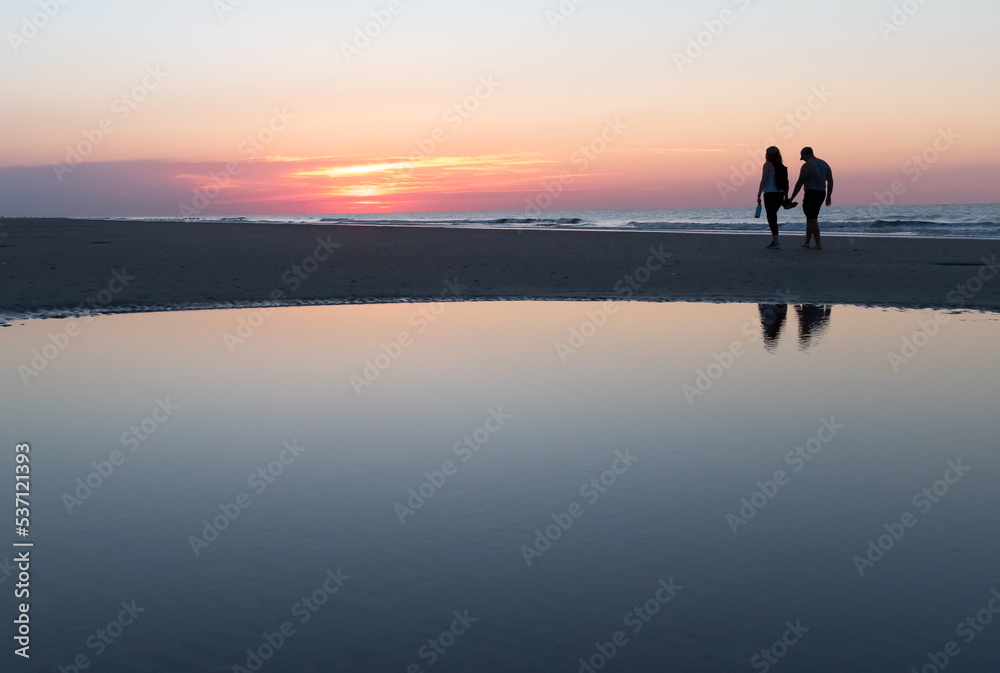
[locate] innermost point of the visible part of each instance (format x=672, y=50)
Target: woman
x=774, y=187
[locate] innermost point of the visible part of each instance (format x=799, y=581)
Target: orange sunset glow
x=632, y=105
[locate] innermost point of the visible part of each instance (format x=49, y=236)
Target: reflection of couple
x=815, y=176
x=813, y=321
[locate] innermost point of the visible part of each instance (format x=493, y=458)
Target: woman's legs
x=772, y=204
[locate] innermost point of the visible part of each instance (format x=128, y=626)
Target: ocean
x=942, y=221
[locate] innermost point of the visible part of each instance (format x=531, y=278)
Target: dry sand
x=51, y=266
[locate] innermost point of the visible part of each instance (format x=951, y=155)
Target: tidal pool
x=554, y=486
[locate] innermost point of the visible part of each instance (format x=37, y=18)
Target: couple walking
x=815, y=176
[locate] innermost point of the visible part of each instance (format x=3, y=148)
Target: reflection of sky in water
x=624, y=389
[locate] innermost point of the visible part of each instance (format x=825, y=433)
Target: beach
x=52, y=266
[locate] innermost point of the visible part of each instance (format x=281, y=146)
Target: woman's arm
x=768, y=171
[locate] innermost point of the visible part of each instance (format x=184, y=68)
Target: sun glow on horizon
x=425, y=175
x=357, y=170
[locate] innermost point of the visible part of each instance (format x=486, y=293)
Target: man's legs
x=811, y=204
x=812, y=230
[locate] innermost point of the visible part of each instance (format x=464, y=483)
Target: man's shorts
x=812, y=202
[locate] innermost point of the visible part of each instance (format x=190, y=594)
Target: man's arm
x=829, y=187
x=802, y=181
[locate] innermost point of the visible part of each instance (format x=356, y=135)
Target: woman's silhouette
x=774, y=187
x=772, y=319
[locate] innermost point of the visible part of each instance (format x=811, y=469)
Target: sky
x=254, y=107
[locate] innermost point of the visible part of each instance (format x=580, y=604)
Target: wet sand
x=53, y=266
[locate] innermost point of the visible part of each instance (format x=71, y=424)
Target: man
x=817, y=178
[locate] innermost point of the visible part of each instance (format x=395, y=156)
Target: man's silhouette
x=817, y=178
